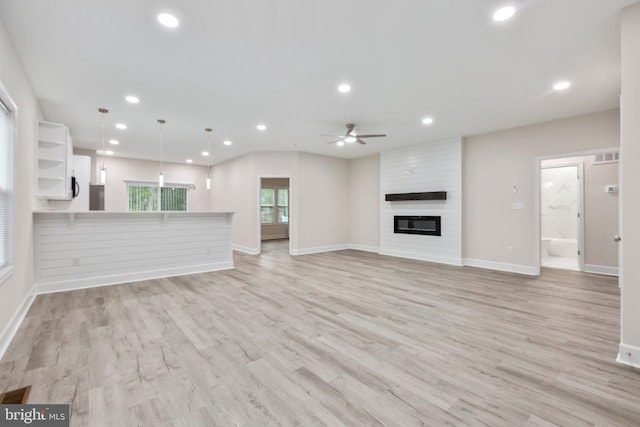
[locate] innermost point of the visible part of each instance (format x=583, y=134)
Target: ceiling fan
x=352, y=136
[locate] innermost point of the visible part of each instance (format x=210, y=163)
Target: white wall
x=321, y=197
x=272, y=164
x=494, y=162
x=364, y=203
x=231, y=191
x=120, y=169
x=319, y=204
x=435, y=166
x=630, y=185
x=14, y=292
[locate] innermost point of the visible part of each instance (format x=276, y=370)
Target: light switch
x=518, y=205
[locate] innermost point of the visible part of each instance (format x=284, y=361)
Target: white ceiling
x=235, y=63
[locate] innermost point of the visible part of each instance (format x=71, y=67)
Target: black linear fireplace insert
x=427, y=225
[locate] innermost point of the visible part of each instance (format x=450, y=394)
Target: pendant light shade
x=208, y=130
x=161, y=176
x=103, y=170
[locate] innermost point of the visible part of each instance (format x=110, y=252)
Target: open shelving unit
x=53, y=155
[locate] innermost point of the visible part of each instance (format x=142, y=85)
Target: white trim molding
x=14, y=324
x=629, y=355
x=529, y=270
x=116, y=279
x=275, y=236
x=364, y=248
x=601, y=269
x=246, y=250
x=422, y=257
x=319, y=249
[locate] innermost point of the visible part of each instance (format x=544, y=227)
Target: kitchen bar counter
x=83, y=249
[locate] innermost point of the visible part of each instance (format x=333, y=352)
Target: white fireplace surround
x=435, y=166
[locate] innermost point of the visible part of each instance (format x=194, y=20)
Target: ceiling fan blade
x=359, y=141
x=333, y=142
x=372, y=136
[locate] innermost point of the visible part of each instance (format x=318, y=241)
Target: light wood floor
x=343, y=338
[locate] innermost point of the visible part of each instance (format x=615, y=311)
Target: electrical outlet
x=509, y=249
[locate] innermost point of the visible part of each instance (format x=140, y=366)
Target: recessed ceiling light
x=344, y=88
x=205, y=153
x=350, y=139
x=261, y=127
x=168, y=20
x=114, y=142
x=132, y=99
x=504, y=13
x=121, y=126
x=563, y=85
x=189, y=161
x=427, y=120
x=227, y=142
x=340, y=143
x=109, y=152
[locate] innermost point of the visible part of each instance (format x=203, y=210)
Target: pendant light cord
x=104, y=112
x=162, y=122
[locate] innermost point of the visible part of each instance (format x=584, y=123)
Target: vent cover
x=604, y=158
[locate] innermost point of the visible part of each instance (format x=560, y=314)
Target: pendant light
x=103, y=171
x=208, y=130
x=161, y=177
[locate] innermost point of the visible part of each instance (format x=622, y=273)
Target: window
x=266, y=205
x=147, y=196
x=283, y=205
x=7, y=136
x=272, y=199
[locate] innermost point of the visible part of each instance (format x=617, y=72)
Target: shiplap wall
x=435, y=166
x=75, y=250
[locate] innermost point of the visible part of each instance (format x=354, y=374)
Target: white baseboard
x=93, y=282
x=422, y=257
x=319, y=249
x=12, y=327
x=601, y=269
x=364, y=248
x=511, y=268
x=274, y=236
x=246, y=250
x=629, y=355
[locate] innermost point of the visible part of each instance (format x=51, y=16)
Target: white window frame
x=277, y=203
x=7, y=270
x=275, y=206
x=140, y=183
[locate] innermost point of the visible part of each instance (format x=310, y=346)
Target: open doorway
x=274, y=214
x=577, y=212
x=561, y=204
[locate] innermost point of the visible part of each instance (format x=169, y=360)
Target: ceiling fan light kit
x=352, y=136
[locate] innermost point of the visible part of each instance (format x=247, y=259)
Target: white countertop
x=120, y=213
